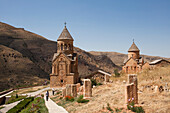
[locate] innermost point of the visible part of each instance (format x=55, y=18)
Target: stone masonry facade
x=65, y=62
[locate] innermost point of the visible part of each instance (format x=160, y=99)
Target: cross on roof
x=65, y=23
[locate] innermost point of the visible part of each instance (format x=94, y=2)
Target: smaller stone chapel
x=135, y=62
x=64, y=62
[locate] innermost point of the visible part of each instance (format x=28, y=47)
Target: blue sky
x=96, y=25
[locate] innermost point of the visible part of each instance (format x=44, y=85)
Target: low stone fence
x=6, y=91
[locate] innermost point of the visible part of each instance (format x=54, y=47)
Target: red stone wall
x=131, y=67
x=64, y=72
x=134, y=55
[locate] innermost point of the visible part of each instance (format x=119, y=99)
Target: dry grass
x=153, y=76
x=114, y=94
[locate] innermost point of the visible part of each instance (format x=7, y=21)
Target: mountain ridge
x=26, y=47
x=26, y=58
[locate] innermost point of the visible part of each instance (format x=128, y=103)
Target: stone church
x=65, y=62
x=134, y=62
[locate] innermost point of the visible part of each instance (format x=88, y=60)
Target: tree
x=117, y=74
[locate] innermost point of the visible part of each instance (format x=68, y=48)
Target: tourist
x=53, y=91
x=47, y=95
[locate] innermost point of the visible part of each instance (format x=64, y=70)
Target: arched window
x=127, y=69
x=55, y=69
x=58, y=47
x=135, y=68
x=65, y=47
x=61, y=46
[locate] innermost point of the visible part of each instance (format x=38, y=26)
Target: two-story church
x=65, y=62
x=134, y=63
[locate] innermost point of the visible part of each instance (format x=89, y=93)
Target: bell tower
x=133, y=51
x=65, y=42
x=65, y=62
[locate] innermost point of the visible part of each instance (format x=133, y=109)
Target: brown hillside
x=39, y=51
x=17, y=70
x=118, y=58
x=36, y=54
x=89, y=63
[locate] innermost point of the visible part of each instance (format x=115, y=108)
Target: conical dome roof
x=65, y=35
x=133, y=48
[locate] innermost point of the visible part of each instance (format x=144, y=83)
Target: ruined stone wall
x=87, y=89
x=146, y=66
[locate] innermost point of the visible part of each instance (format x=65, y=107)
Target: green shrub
x=80, y=97
x=81, y=100
x=117, y=110
x=99, y=84
x=14, y=99
x=21, y=105
x=42, y=95
x=138, y=109
x=1, y=107
x=117, y=74
x=36, y=106
x=93, y=82
x=108, y=107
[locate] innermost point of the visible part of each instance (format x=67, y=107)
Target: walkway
x=53, y=107
x=6, y=94
x=37, y=92
x=8, y=107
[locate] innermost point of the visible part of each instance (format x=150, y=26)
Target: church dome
x=133, y=48
x=65, y=35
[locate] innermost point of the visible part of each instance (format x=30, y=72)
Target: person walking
x=53, y=91
x=47, y=95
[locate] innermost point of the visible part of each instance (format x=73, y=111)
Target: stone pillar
x=64, y=92
x=106, y=78
x=129, y=94
x=68, y=89
x=156, y=89
x=132, y=86
x=78, y=86
x=87, y=89
x=73, y=90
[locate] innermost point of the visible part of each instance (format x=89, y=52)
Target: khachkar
x=131, y=89
x=65, y=62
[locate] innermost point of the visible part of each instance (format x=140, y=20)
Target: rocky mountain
x=26, y=58
x=118, y=58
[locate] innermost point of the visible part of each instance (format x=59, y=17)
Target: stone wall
x=70, y=90
x=87, y=89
